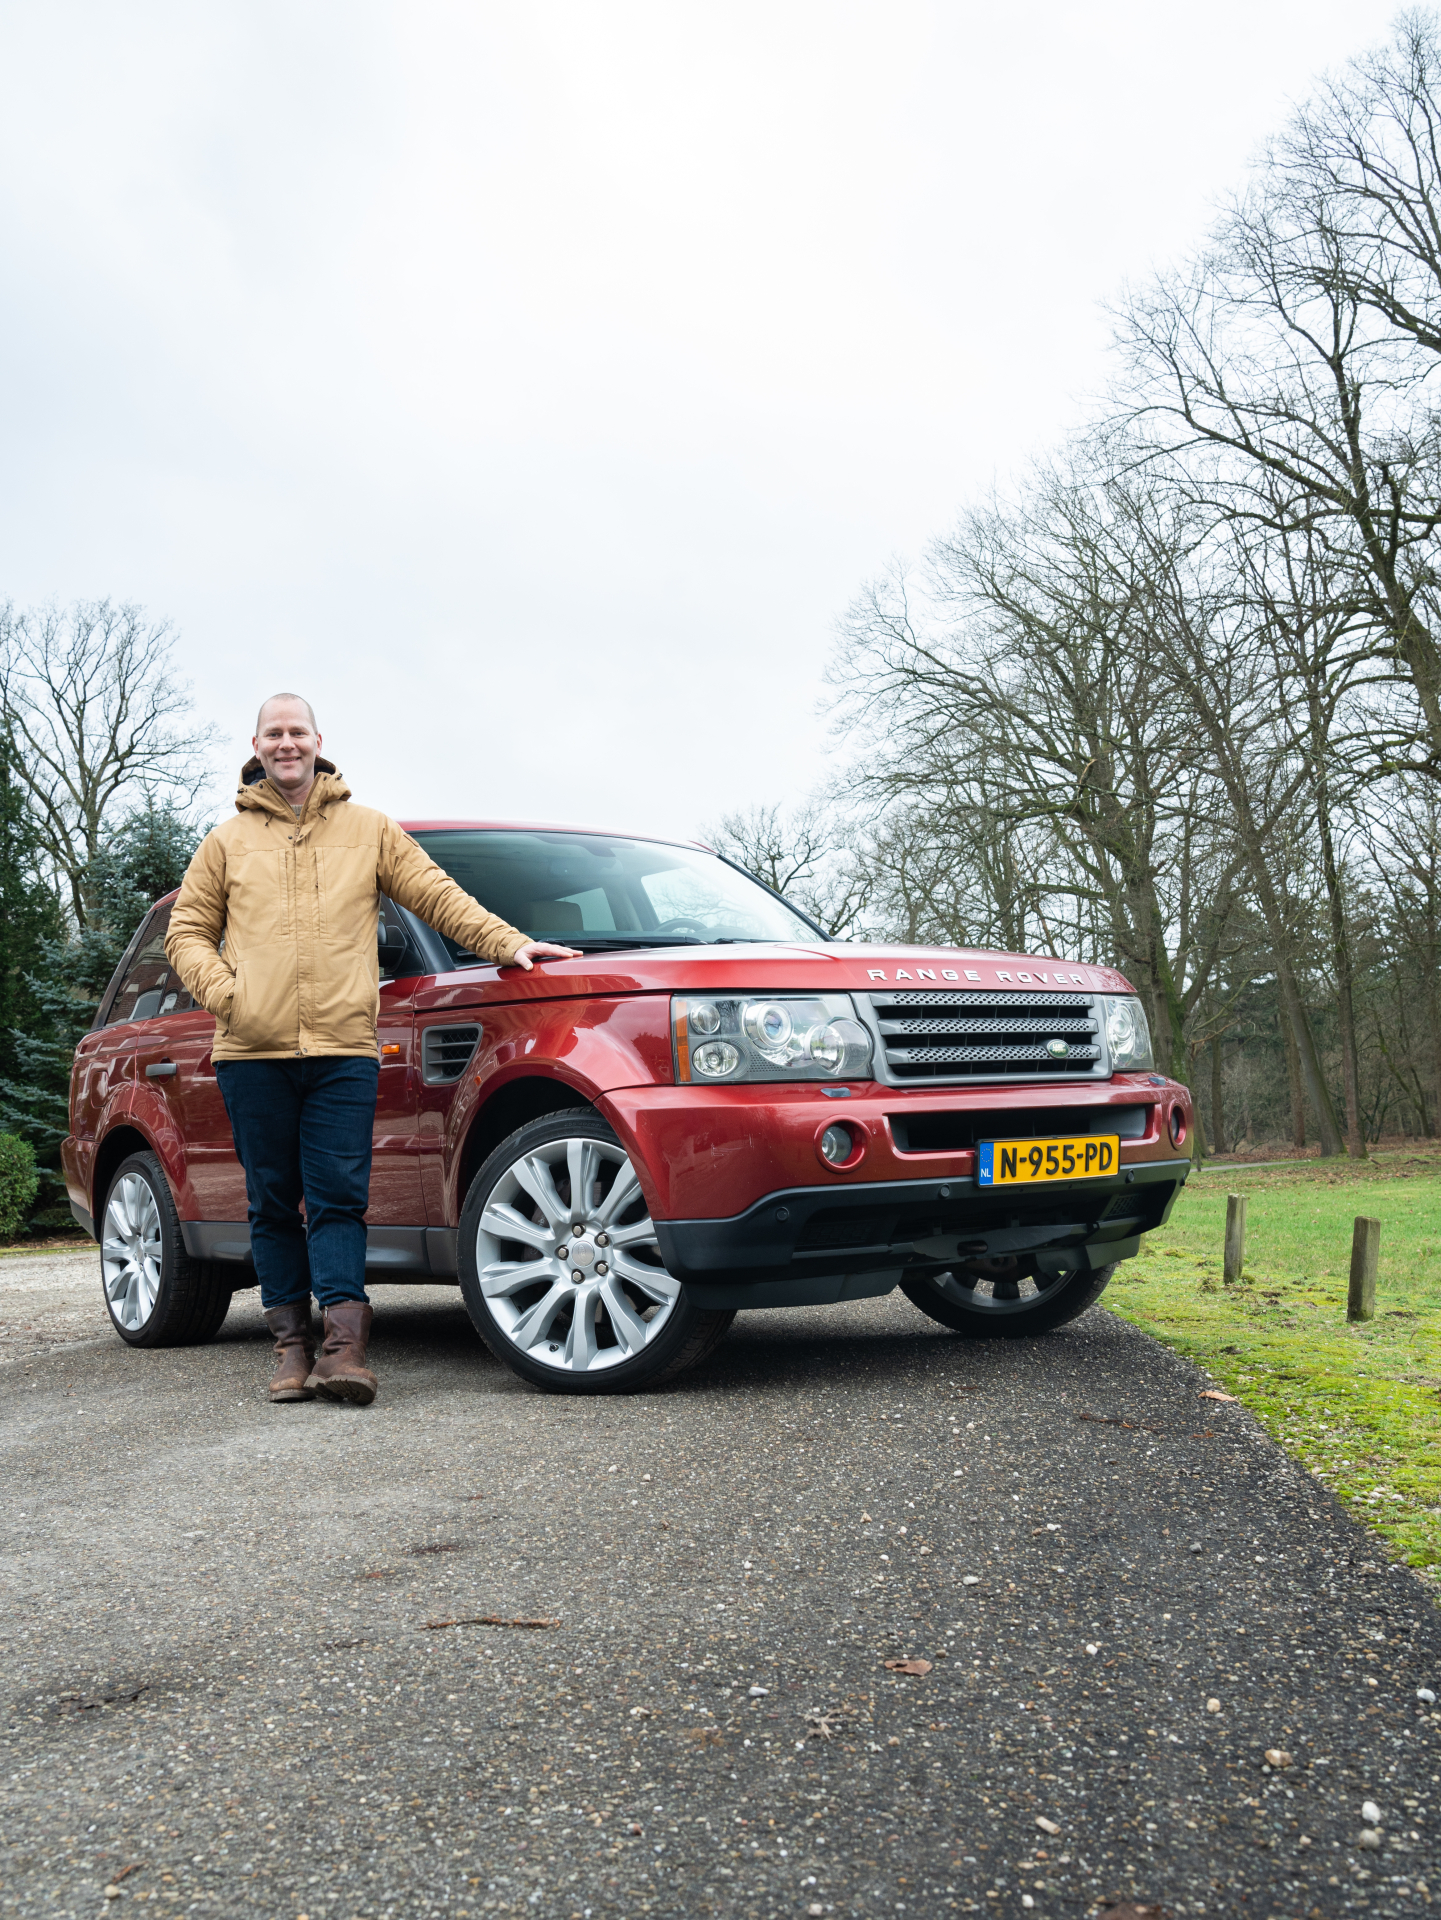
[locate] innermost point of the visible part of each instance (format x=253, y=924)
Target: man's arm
x=197, y=924
x=409, y=875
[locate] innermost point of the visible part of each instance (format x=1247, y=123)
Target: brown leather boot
x=341, y=1373
x=294, y=1349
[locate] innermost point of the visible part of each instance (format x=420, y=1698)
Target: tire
x=155, y=1294
x=982, y=1310
x=623, y=1324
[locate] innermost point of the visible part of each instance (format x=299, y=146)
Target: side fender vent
x=445, y=1053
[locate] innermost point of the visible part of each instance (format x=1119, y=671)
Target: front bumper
x=813, y=1245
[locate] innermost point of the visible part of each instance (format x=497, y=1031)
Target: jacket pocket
x=346, y=1003
x=262, y=1015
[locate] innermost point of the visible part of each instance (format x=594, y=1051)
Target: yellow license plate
x=1020, y=1163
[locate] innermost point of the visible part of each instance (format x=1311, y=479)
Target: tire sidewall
x=156, y=1332
x=1064, y=1302
x=627, y=1376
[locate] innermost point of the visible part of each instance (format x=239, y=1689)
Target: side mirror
x=390, y=942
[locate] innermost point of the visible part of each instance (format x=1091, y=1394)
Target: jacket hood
x=257, y=791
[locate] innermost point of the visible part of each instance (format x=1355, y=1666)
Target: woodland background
x=1170, y=699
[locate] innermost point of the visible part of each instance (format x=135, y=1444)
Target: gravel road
x=245, y=1669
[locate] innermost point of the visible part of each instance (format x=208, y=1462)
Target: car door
x=173, y=1039
x=396, y=1197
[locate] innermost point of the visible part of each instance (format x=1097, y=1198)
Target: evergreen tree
x=145, y=858
x=29, y=917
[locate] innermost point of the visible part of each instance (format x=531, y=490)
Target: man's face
x=287, y=745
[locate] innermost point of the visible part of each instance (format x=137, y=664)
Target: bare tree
x=1360, y=163
x=1273, y=380
x=1216, y=657
x=1018, y=689
x=801, y=855
x=98, y=724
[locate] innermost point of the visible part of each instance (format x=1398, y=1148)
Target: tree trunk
x=1293, y=1078
x=1218, y=1095
x=1310, y=1060
x=1295, y=1022
x=1341, y=960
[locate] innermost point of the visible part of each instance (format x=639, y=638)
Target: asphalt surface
x=224, y=1692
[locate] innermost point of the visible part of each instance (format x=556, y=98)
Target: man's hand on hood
x=540, y=950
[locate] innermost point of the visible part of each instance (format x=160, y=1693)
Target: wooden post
x=1365, y=1253
x=1235, y=1238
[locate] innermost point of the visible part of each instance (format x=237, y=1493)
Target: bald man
x=274, y=933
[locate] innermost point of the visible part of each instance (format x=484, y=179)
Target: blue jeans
x=304, y=1128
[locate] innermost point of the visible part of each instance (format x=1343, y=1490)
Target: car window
x=151, y=986
x=566, y=885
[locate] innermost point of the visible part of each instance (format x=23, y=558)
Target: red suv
x=715, y=1107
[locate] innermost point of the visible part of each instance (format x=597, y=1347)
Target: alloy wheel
x=131, y=1251
x=568, y=1260
x=997, y=1293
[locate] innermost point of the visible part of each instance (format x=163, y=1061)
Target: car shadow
x=886, y=1340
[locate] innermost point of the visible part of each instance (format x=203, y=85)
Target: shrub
x=19, y=1183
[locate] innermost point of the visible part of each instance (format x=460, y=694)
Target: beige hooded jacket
x=296, y=901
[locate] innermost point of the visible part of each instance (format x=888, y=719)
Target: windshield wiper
x=602, y=941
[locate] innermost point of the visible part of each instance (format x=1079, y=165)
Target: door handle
x=161, y=1070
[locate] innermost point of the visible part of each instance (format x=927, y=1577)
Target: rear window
x=150, y=986
x=563, y=886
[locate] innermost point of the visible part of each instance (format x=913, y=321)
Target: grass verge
x=1359, y=1405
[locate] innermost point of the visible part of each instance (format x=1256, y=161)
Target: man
x=274, y=933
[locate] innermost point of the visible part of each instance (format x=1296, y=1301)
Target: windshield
x=594, y=891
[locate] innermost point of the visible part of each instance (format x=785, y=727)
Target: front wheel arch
x=503, y=1113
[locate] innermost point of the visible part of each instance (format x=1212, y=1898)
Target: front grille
x=949, y=1034
x=445, y=1054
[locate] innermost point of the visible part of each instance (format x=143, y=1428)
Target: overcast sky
x=532, y=385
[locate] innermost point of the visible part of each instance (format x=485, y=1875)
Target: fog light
x=837, y=1145
x=715, y=1058
x=1178, y=1126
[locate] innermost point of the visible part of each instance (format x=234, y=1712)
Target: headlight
x=777, y=1038
x=1128, y=1038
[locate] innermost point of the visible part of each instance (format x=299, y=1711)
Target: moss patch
x=1360, y=1406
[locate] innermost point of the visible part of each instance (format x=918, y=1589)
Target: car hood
x=764, y=967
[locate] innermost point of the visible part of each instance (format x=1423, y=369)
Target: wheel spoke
x=581, y=1345
x=582, y=1163
x=130, y=1301
x=147, y=1285
x=624, y=1189
x=535, y=1176
x=534, y=1323
x=652, y=1280
x=505, y=1277
x=640, y=1233
x=506, y=1224
x=630, y=1329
